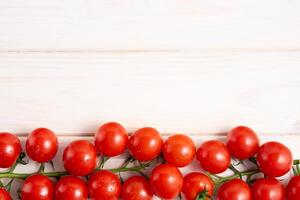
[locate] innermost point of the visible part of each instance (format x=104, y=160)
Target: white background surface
x=199, y=67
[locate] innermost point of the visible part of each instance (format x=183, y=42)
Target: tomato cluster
x=86, y=178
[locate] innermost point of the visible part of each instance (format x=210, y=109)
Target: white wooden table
x=199, y=67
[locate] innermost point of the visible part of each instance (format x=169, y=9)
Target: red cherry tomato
x=80, y=158
x=70, y=188
x=242, y=142
x=214, y=156
x=292, y=191
x=104, y=185
x=136, y=188
x=145, y=144
x=37, y=187
x=41, y=145
x=10, y=149
x=235, y=189
x=268, y=189
x=179, y=150
x=111, y=139
x=4, y=195
x=195, y=183
x=166, y=181
x=274, y=159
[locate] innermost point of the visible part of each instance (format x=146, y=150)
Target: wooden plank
x=158, y=25
x=192, y=92
x=199, y=67
x=291, y=141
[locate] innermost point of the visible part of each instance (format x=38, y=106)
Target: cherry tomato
x=179, y=150
x=80, y=158
x=268, y=189
x=104, y=185
x=41, y=145
x=195, y=183
x=166, y=181
x=145, y=144
x=274, y=159
x=71, y=188
x=10, y=149
x=292, y=191
x=214, y=156
x=37, y=187
x=235, y=189
x=111, y=139
x=242, y=142
x=136, y=188
x=4, y=195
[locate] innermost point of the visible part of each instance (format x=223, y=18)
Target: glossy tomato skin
x=292, y=191
x=71, y=188
x=145, y=144
x=104, y=185
x=268, y=189
x=166, y=181
x=4, y=195
x=111, y=139
x=41, y=145
x=136, y=188
x=214, y=156
x=235, y=189
x=274, y=159
x=179, y=150
x=242, y=142
x=37, y=187
x=195, y=183
x=80, y=158
x=10, y=149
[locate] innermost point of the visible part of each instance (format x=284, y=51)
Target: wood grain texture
x=148, y=25
x=204, y=92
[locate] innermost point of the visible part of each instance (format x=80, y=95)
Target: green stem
x=8, y=186
x=295, y=171
x=128, y=169
x=134, y=168
x=241, y=174
x=13, y=167
x=203, y=195
x=235, y=171
x=296, y=162
x=253, y=160
x=129, y=160
x=104, y=160
x=59, y=174
x=296, y=168
x=25, y=175
x=42, y=168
